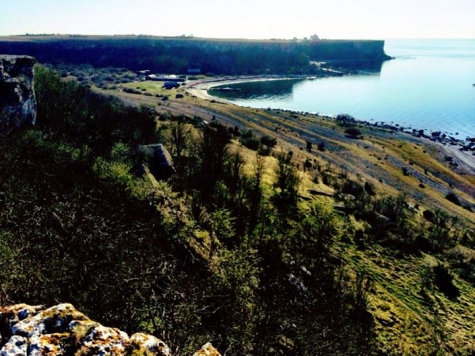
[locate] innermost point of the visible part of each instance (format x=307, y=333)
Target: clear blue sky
x=372, y=19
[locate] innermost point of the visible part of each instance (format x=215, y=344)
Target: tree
x=309, y=146
x=180, y=136
x=443, y=232
x=213, y=151
x=288, y=182
x=235, y=308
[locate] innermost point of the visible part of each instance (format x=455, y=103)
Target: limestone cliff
x=63, y=330
x=17, y=97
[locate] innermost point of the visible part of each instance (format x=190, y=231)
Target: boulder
x=207, y=350
x=17, y=96
x=16, y=346
x=63, y=330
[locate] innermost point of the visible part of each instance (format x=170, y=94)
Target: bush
x=251, y=143
x=453, y=198
x=352, y=188
x=428, y=215
x=307, y=164
x=370, y=189
x=443, y=279
x=353, y=132
x=268, y=141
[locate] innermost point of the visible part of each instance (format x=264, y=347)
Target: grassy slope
x=407, y=321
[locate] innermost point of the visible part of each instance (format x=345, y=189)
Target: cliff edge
x=17, y=96
x=27, y=330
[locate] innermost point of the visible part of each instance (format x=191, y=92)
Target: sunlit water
x=428, y=86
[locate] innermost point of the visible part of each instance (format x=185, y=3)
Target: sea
x=429, y=85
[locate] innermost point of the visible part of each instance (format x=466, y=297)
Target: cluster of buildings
x=170, y=81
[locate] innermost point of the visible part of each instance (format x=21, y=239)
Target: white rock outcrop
x=63, y=330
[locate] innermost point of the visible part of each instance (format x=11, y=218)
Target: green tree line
x=218, y=57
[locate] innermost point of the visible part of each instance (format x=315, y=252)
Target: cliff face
x=63, y=330
x=17, y=97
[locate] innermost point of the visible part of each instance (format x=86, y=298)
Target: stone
x=16, y=346
x=62, y=330
x=52, y=320
x=11, y=315
x=150, y=344
x=102, y=340
x=17, y=96
x=207, y=350
x=50, y=345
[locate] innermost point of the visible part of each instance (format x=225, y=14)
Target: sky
x=258, y=19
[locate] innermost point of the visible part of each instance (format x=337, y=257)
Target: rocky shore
x=199, y=88
x=462, y=150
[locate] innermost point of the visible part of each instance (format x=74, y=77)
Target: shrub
x=443, y=279
x=307, y=164
x=428, y=215
x=353, y=188
x=353, y=132
x=268, y=141
x=453, y=198
x=370, y=189
x=309, y=146
x=251, y=143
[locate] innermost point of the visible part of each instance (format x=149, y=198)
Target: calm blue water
x=428, y=86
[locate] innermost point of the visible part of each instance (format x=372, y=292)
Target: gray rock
x=17, y=96
x=16, y=346
x=62, y=330
x=150, y=344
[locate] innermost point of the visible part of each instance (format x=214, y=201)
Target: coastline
x=452, y=148
x=199, y=88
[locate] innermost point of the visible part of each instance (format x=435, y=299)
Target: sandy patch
x=464, y=157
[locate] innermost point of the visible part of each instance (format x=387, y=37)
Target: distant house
x=159, y=160
x=166, y=78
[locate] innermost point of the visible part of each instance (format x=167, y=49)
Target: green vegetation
x=177, y=55
x=241, y=246
x=208, y=255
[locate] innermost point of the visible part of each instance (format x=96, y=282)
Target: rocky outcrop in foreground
x=63, y=330
x=17, y=96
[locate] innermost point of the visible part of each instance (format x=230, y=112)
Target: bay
x=429, y=85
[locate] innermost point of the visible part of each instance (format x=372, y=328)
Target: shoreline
x=452, y=147
x=199, y=88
